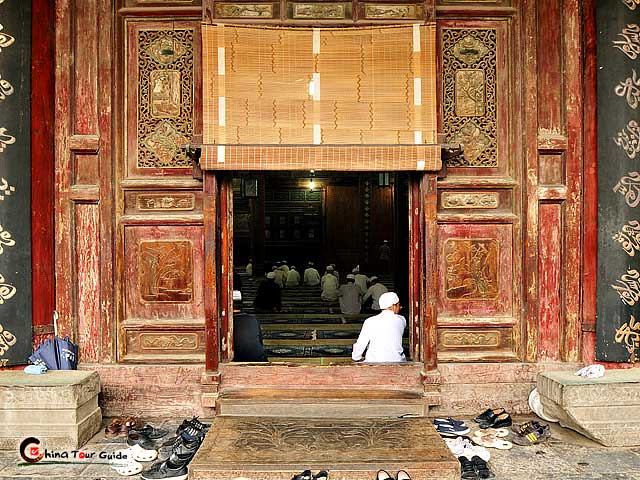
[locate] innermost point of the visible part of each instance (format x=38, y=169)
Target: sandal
x=128, y=468
x=140, y=454
x=113, y=429
x=497, y=432
x=383, y=475
x=491, y=441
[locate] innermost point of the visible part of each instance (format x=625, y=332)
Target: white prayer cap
x=293, y=267
x=351, y=277
x=271, y=275
x=373, y=278
x=355, y=270
x=329, y=268
x=310, y=264
x=385, y=241
x=274, y=267
x=388, y=299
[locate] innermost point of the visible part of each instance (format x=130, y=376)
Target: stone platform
x=60, y=408
x=603, y=409
x=270, y=448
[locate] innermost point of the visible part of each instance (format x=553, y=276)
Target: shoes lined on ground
x=450, y=427
x=533, y=435
x=306, y=475
x=167, y=471
x=488, y=415
x=384, y=475
x=151, y=432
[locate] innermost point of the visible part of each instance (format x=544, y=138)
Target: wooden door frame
x=218, y=278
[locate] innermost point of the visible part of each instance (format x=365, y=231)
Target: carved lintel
x=469, y=200
x=319, y=11
x=454, y=339
x=244, y=10
x=397, y=11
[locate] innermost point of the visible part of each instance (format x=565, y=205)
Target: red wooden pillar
x=428, y=189
x=226, y=266
x=211, y=326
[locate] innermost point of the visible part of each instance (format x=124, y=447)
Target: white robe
x=279, y=279
x=293, y=278
x=329, y=288
x=311, y=277
x=375, y=291
x=349, y=298
x=361, y=282
x=381, y=335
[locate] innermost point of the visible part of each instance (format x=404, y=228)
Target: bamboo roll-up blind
x=319, y=98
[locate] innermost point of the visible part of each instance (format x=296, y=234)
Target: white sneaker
x=472, y=450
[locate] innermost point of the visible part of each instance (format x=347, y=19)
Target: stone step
x=320, y=403
x=312, y=318
x=263, y=448
x=603, y=409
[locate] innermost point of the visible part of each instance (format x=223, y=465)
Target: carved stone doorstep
x=274, y=448
x=603, y=409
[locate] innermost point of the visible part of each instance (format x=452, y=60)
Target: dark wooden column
x=257, y=228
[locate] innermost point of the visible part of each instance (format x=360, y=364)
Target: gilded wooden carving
x=325, y=11
x=392, y=11
x=174, y=341
x=453, y=339
x=471, y=269
x=469, y=89
x=244, y=10
x=165, y=103
x=469, y=200
x=158, y=202
x=166, y=273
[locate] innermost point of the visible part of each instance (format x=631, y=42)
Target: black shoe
x=383, y=475
x=322, y=475
x=166, y=471
x=140, y=439
x=306, y=475
x=186, y=432
x=499, y=421
x=468, y=470
x=181, y=452
x=151, y=432
x=481, y=467
x=488, y=415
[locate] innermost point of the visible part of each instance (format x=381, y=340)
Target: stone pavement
x=566, y=456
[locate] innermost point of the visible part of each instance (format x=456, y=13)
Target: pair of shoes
x=175, y=465
x=306, y=475
x=474, y=468
x=150, y=431
x=193, y=424
x=449, y=427
x=384, y=475
x=121, y=426
x=532, y=434
x=166, y=471
x=496, y=418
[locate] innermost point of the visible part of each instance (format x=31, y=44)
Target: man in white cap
x=374, y=292
x=311, y=276
x=329, y=285
x=381, y=335
x=361, y=280
x=349, y=295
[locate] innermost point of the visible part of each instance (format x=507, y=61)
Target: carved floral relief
x=469, y=94
x=165, y=271
x=165, y=97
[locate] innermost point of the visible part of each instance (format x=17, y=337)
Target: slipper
x=497, y=432
x=402, y=475
x=383, y=475
x=128, y=468
x=113, y=429
x=140, y=454
x=491, y=441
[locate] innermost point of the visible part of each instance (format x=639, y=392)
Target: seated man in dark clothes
x=269, y=296
x=247, y=338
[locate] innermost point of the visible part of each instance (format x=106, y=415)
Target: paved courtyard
x=566, y=456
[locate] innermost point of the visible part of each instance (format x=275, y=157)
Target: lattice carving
x=166, y=92
x=469, y=86
x=166, y=272
x=471, y=269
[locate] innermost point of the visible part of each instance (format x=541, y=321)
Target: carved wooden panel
x=476, y=94
x=320, y=11
x=163, y=272
x=163, y=202
x=158, y=343
x=472, y=200
x=475, y=265
x=462, y=344
x=162, y=96
x=392, y=11
x=245, y=10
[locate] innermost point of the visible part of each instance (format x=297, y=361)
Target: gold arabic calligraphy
x=629, y=333
x=7, y=340
x=628, y=287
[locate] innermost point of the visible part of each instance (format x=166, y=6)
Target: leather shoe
x=488, y=415
x=499, y=421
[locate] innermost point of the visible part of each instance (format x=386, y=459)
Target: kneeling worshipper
x=247, y=338
x=350, y=296
x=381, y=335
x=269, y=296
